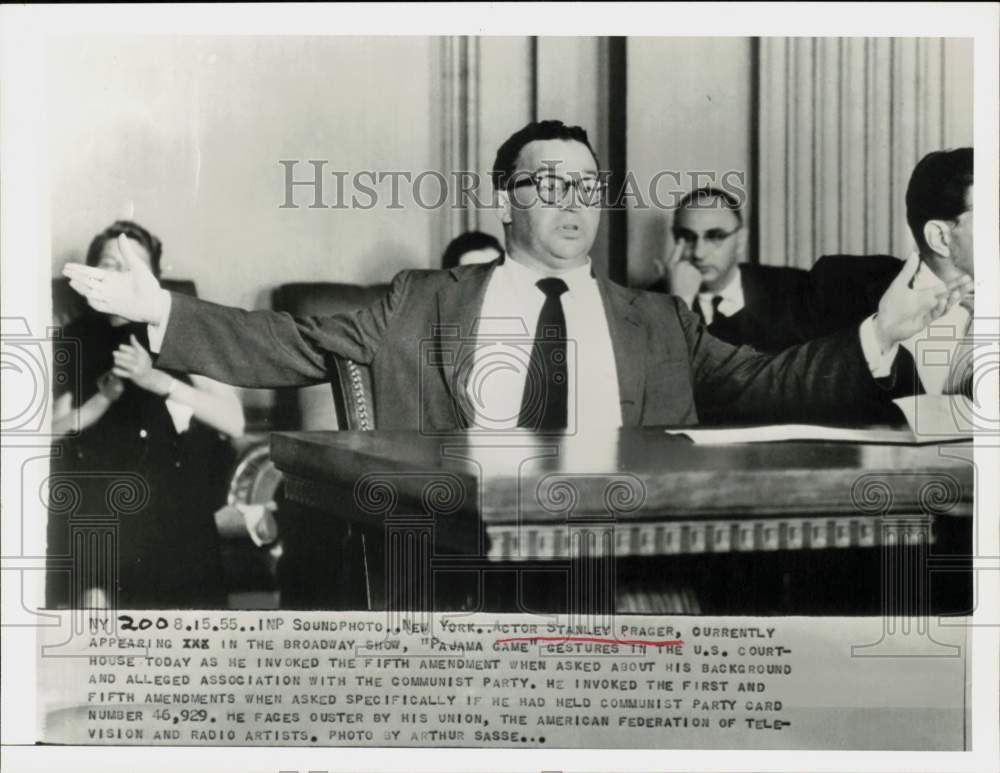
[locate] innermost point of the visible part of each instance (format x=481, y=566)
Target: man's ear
x=503, y=207
x=937, y=234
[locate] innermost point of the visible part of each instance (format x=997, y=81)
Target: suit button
x=177, y=464
x=143, y=433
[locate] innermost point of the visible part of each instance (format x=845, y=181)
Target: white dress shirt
x=505, y=336
x=731, y=295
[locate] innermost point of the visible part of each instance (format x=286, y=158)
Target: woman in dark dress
x=129, y=428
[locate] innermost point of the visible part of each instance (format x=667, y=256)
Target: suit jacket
x=416, y=338
x=840, y=290
x=763, y=320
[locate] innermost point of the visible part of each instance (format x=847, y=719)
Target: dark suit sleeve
x=267, y=349
x=826, y=380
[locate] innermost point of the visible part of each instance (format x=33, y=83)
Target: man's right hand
x=133, y=294
x=903, y=311
x=683, y=279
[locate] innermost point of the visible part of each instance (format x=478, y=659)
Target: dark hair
x=937, y=189
x=700, y=197
x=506, y=160
x=467, y=242
x=132, y=231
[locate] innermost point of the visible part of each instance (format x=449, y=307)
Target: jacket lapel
x=459, y=305
x=628, y=340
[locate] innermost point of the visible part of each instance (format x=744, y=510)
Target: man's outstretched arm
x=832, y=379
x=242, y=348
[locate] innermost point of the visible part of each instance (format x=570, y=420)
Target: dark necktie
x=716, y=300
x=546, y=386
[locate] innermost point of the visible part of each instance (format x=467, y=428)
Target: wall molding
x=842, y=122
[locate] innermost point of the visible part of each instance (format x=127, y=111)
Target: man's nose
x=701, y=247
x=573, y=198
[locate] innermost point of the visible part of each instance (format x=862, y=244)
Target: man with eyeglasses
x=532, y=340
x=740, y=303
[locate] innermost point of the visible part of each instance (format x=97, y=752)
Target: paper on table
x=778, y=432
x=931, y=419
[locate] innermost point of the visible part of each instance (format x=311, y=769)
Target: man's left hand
x=903, y=312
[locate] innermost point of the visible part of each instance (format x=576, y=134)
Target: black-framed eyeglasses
x=553, y=188
x=713, y=236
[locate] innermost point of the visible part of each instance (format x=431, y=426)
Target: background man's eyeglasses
x=552, y=188
x=714, y=236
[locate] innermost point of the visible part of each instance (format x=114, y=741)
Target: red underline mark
x=647, y=642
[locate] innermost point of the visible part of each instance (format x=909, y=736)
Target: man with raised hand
x=533, y=339
x=739, y=302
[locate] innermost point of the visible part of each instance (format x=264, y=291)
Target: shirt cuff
x=157, y=331
x=879, y=362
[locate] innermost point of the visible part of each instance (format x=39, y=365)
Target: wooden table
x=591, y=503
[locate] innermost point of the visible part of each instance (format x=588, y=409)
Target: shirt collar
x=523, y=276
x=731, y=294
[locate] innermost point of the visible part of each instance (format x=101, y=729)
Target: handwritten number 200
x=127, y=623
